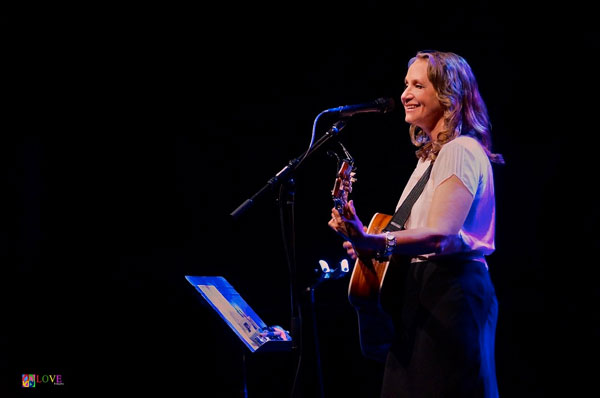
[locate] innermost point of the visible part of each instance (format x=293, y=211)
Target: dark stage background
x=139, y=132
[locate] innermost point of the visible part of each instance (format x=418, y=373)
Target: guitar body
x=375, y=290
x=368, y=274
x=366, y=292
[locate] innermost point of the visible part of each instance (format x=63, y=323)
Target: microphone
x=381, y=105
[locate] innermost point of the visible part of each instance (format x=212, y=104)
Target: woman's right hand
x=350, y=249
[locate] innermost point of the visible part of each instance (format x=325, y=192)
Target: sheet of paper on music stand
x=236, y=313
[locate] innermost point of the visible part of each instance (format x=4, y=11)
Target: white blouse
x=465, y=158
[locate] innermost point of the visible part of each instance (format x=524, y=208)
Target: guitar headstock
x=343, y=183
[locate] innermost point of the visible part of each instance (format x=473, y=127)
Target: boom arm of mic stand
x=291, y=166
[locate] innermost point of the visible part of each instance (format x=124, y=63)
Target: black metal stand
x=286, y=215
x=244, y=392
x=286, y=208
x=325, y=274
x=285, y=173
x=313, y=310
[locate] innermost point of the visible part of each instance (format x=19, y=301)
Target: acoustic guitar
x=366, y=285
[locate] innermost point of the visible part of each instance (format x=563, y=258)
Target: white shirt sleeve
x=462, y=158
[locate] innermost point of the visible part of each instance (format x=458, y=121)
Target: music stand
x=241, y=319
x=239, y=316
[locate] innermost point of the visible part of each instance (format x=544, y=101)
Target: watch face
x=391, y=239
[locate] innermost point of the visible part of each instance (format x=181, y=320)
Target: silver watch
x=390, y=244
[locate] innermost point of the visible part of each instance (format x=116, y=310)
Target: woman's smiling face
x=421, y=104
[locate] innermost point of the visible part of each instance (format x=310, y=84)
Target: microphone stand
x=286, y=207
x=283, y=175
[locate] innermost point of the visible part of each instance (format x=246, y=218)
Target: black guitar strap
x=399, y=219
x=376, y=326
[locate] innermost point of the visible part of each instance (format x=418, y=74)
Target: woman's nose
x=406, y=95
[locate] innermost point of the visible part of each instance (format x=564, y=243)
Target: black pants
x=444, y=333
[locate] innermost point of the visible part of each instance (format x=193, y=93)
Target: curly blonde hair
x=465, y=112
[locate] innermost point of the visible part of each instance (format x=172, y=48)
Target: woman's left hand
x=348, y=225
